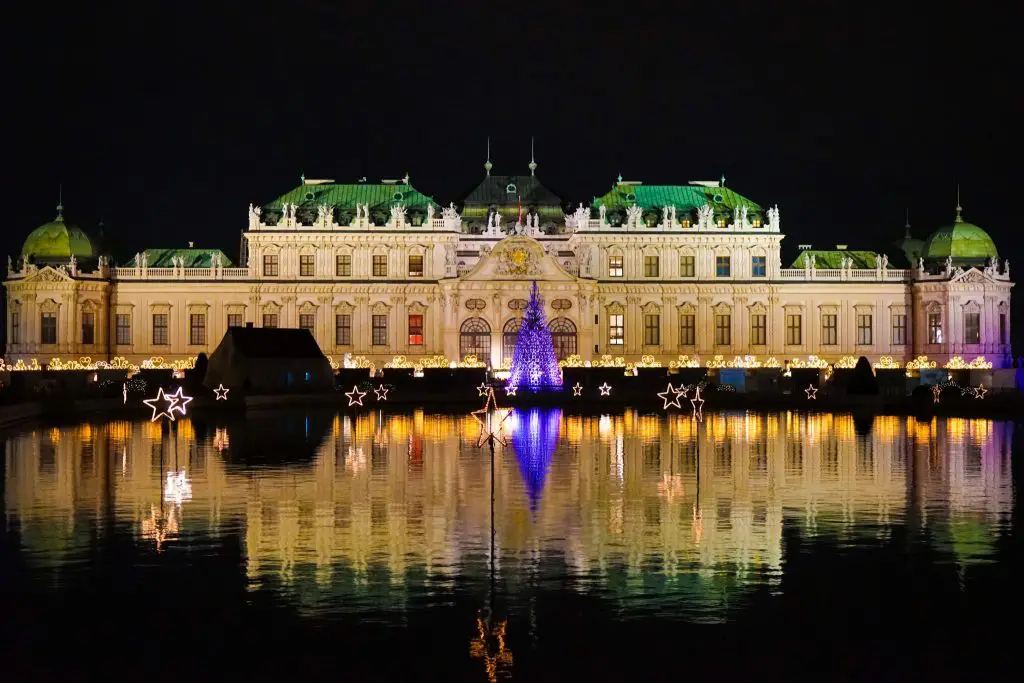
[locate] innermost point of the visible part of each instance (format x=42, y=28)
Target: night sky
x=166, y=120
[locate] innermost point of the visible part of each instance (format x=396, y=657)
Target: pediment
x=518, y=258
x=972, y=276
x=48, y=274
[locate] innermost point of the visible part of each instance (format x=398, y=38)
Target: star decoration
x=577, y=389
x=482, y=389
x=222, y=393
x=980, y=391
x=180, y=401
x=489, y=432
x=382, y=393
x=698, y=405
x=606, y=389
x=811, y=391
x=510, y=390
x=167, y=412
x=355, y=397
x=674, y=399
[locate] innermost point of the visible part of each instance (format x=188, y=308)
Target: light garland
x=921, y=363
x=846, y=363
x=958, y=363
x=674, y=399
x=87, y=363
x=811, y=362
x=685, y=362
x=221, y=392
x=887, y=363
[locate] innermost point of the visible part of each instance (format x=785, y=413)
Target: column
x=705, y=324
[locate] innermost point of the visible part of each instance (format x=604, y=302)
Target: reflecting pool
x=390, y=543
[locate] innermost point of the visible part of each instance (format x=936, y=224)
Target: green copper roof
x=347, y=196
x=194, y=258
x=832, y=258
x=683, y=197
x=57, y=241
x=961, y=241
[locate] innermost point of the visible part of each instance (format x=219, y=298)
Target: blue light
x=534, y=438
x=534, y=364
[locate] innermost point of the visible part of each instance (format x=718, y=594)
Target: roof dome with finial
x=964, y=242
x=909, y=245
x=57, y=242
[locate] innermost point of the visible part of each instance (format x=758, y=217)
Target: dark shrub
x=863, y=381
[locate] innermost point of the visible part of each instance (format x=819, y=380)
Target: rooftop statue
x=634, y=215
x=773, y=218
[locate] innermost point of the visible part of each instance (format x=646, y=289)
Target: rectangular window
x=270, y=320
x=307, y=321
x=758, y=329
x=160, y=329
x=380, y=265
x=1002, y=328
x=123, y=325
x=343, y=265
x=829, y=329
x=235, y=320
x=722, y=266
x=197, y=328
x=899, y=329
x=616, y=335
x=15, y=327
x=270, y=265
x=306, y=265
x=972, y=328
x=652, y=329
x=758, y=266
x=934, y=328
x=864, y=329
x=650, y=266
x=614, y=266
x=380, y=330
x=686, y=266
x=415, y=329
x=343, y=330
x=723, y=329
x=48, y=328
x=415, y=265
x=88, y=327
x=687, y=329
x=794, y=329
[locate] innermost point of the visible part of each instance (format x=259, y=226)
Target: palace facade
x=379, y=269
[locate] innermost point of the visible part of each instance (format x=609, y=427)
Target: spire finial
x=60, y=202
x=533, y=162
x=302, y=178
x=487, y=164
x=959, y=209
x=722, y=181
x=620, y=177
x=906, y=227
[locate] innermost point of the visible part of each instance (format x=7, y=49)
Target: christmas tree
x=534, y=365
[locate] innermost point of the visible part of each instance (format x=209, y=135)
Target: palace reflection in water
x=387, y=508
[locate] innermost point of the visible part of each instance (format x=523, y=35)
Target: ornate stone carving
x=430, y=215
x=705, y=217
x=517, y=260
x=398, y=215
x=773, y=218
x=452, y=219
x=634, y=216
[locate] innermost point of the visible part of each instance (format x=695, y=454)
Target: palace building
x=380, y=270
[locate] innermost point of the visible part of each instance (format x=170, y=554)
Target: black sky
x=167, y=119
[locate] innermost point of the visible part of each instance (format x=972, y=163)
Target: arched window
x=508, y=339
x=563, y=337
x=475, y=339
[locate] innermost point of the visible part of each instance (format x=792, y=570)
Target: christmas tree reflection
x=534, y=437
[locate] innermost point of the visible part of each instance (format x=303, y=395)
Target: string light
x=698, y=405
x=674, y=399
x=167, y=412
x=382, y=393
x=222, y=392
x=577, y=389
x=510, y=390
x=980, y=392
x=355, y=397
x=812, y=392
x=488, y=433
x=180, y=401
x=482, y=389
x=605, y=389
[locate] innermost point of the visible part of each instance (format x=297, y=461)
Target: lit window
x=307, y=321
x=123, y=325
x=759, y=266
x=829, y=329
x=197, y=328
x=934, y=328
x=899, y=329
x=614, y=266
x=794, y=329
x=415, y=265
x=48, y=328
x=306, y=266
x=343, y=329
x=686, y=266
x=415, y=329
x=380, y=330
x=343, y=265
x=652, y=329
x=758, y=329
x=615, y=329
x=723, y=329
x=687, y=329
x=864, y=329
x=88, y=327
x=650, y=266
x=972, y=328
x=270, y=320
x=270, y=265
x=380, y=265
x=235, y=320
x=160, y=328
x=723, y=266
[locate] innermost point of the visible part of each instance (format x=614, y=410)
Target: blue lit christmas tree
x=534, y=365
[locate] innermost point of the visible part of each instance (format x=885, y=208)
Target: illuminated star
x=482, y=389
x=936, y=393
x=489, y=432
x=167, y=412
x=382, y=393
x=577, y=389
x=605, y=389
x=510, y=390
x=180, y=401
x=811, y=391
x=698, y=405
x=674, y=400
x=355, y=397
x=222, y=393
x=980, y=391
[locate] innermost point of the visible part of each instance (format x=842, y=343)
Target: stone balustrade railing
x=834, y=274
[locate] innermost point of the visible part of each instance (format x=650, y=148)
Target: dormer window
x=757, y=223
x=510, y=188
x=721, y=222
x=686, y=222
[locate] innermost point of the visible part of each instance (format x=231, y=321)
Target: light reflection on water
x=386, y=513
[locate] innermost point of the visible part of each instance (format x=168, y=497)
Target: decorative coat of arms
x=517, y=260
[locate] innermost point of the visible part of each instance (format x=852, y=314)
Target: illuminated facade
x=380, y=270
x=405, y=499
